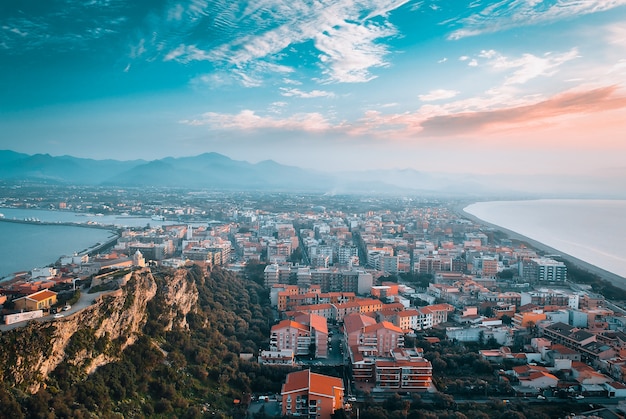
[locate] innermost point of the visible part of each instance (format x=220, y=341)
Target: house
x=539, y=380
x=40, y=300
x=311, y=395
x=615, y=389
x=558, y=351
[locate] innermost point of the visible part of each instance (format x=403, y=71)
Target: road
x=84, y=301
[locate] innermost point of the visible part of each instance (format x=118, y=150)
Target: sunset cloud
x=568, y=104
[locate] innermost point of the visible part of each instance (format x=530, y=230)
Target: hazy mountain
x=218, y=172
x=62, y=169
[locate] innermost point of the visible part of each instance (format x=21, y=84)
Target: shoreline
x=613, y=278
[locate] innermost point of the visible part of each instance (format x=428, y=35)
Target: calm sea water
x=27, y=246
x=591, y=230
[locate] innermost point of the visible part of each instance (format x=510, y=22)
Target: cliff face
x=97, y=334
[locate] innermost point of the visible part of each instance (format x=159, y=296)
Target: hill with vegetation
x=165, y=344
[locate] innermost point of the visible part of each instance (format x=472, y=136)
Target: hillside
x=166, y=343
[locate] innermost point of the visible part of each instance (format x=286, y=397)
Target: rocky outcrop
x=98, y=333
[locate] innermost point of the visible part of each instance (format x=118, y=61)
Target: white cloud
x=350, y=50
x=305, y=95
x=473, y=63
x=439, y=94
x=139, y=49
x=291, y=82
x=176, y=12
x=16, y=31
x=529, y=66
x=488, y=54
x=346, y=33
x=507, y=14
x=248, y=120
x=186, y=54
x=443, y=60
x=617, y=35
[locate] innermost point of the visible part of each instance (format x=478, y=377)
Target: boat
x=158, y=218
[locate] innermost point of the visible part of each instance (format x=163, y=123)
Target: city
x=392, y=293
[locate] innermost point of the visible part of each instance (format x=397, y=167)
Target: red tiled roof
x=41, y=295
x=321, y=385
x=289, y=323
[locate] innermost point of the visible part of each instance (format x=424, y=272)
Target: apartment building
x=310, y=395
x=543, y=269
x=403, y=374
x=290, y=335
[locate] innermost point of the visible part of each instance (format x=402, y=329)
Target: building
x=311, y=395
x=41, y=300
x=543, y=269
x=406, y=371
x=284, y=357
x=276, y=274
x=290, y=335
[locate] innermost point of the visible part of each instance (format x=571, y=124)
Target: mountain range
x=218, y=172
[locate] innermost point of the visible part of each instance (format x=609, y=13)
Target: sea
x=593, y=231
x=27, y=246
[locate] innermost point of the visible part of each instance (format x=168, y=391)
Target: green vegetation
x=599, y=285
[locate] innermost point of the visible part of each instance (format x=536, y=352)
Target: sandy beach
x=615, y=279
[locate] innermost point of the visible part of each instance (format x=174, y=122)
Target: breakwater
x=36, y=221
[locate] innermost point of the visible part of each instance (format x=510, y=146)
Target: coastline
x=91, y=249
x=613, y=278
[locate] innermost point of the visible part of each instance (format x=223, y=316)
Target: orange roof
x=438, y=307
x=41, y=295
x=369, y=302
x=316, y=322
x=289, y=323
x=355, y=321
x=349, y=304
x=321, y=385
x=382, y=325
x=562, y=349
x=408, y=313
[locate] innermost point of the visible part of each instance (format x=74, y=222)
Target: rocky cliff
x=97, y=334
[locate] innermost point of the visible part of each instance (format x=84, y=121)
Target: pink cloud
x=541, y=113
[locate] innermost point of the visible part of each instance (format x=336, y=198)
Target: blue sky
x=510, y=86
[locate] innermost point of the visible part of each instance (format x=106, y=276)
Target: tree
x=9, y=407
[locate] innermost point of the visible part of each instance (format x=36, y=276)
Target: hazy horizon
x=518, y=89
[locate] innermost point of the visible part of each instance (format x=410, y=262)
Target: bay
x=593, y=231
x=27, y=246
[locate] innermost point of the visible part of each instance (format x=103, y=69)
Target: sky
x=523, y=87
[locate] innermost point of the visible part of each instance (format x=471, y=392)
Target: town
x=379, y=286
